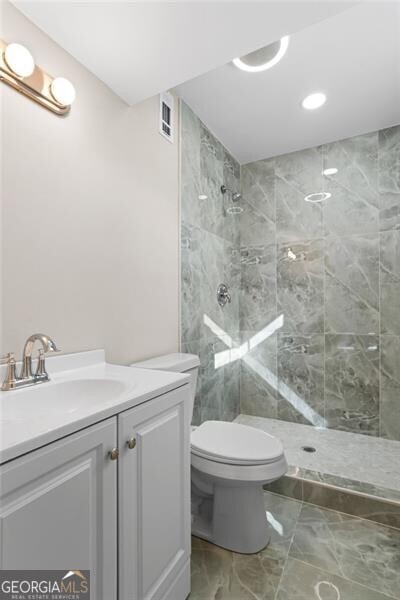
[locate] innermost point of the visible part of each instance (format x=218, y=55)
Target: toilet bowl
x=230, y=465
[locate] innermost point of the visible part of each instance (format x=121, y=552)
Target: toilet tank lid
x=178, y=362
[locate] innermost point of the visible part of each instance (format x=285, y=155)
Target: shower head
x=235, y=197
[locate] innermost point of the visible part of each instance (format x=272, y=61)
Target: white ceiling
x=142, y=48
x=354, y=57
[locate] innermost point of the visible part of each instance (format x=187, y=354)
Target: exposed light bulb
x=62, y=91
x=314, y=100
x=19, y=60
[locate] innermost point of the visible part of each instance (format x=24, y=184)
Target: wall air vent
x=167, y=116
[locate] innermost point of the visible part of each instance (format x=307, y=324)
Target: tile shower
x=315, y=287
x=312, y=335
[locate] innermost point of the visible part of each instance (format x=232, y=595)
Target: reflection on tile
x=390, y=282
x=194, y=347
x=390, y=387
x=297, y=175
x=258, y=286
x=301, y=378
x=257, y=222
x=258, y=380
x=300, y=286
x=305, y=582
x=352, y=284
x=354, y=205
x=364, y=552
x=352, y=383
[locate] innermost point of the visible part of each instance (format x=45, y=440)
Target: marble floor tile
x=357, y=549
x=301, y=581
x=218, y=574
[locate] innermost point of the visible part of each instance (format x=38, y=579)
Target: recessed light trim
x=317, y=197
x=330, y=171
x=284, y=44
x=314, y=100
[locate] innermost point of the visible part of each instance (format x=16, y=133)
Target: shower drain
x=308, y=449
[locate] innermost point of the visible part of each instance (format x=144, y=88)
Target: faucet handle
x=41, y=372
x=11, y=378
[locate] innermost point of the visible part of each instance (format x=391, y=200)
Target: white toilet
x=230, y=465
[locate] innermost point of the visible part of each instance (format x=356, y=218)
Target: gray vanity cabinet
x=154, y=499
x=58, y=508
x=76, y=505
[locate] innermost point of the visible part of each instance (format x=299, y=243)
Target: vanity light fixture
x=18, y=70
x=317, y=197
x=314, y=100
x=251, y=64
x=330, y=171
x=19, y=60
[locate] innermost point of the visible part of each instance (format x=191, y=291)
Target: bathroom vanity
x=95, y=474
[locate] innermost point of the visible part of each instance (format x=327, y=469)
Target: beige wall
x=89, y=216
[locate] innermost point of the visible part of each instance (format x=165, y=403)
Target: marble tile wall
x=209, y=256
x=321, y=283
x=315, y=286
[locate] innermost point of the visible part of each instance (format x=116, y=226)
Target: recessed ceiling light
x=330, y=171
x=314, y=100
x=317, y=197
x=203, y=197
x=261, y=59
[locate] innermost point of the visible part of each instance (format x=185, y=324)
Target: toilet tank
x=178, y=362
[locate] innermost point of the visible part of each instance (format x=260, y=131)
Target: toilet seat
x=235, y=444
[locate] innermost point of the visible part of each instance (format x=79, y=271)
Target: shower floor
x=357, y=462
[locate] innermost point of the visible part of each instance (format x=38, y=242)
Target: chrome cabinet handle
x=113, y=454
x=131, y=443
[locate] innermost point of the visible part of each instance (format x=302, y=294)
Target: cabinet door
x=154, y=499
x=58, y=508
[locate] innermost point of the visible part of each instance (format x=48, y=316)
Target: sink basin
x=66, y=396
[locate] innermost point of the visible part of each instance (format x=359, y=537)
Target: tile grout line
x=288, y=552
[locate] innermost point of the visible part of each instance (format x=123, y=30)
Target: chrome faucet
x=26, y=377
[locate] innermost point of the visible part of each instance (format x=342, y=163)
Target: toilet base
x=229, y=514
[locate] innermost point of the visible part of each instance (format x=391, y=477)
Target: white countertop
x=91, y=390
